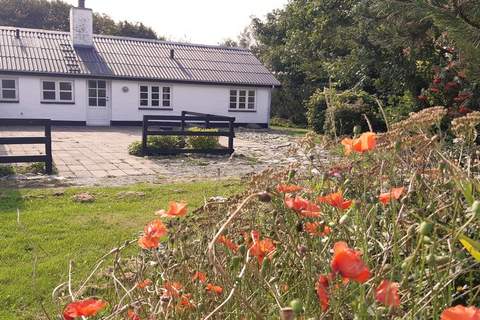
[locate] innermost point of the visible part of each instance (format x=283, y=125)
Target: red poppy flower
x=132, y=315
x=437, y=80
x=387, y=293
x=172, y=289
x=434, y=90
x=348, y=263
x=285, y=188
x=461, y=313
x=303, y=207
x=321, y=287
x=145, y=283
x=312, y=229
x=200, y=276
x=366, y=142
x=186, y=302
x=175, y=209
x=227, y=243
x=83, y=308
x=394, y=193
x=336, y=200
x=261, y=248
x=214, y=289
x=152, y=234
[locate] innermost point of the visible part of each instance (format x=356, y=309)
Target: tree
x=54, y=15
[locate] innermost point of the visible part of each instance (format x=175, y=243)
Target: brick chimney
x=81, y=25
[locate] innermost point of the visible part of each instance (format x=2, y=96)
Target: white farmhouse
x=80, y=78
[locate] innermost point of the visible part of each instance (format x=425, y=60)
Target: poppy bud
x=264, y=197
x=242, y=249
x=475, y=208
x=296, y=306
x=425, y=228
x=357, y=130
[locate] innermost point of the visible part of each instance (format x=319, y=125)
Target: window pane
x=166, y=96
x=233, y=106
x=92, y=102
x=251, y=93
x=143, y=95
x=102, y=102
x=241, y=99
x=48, y=95
x=66, y=96
x=92, y=93
x=9, y=94
x=144, y=103
x=251, y=106
x=8, y=84
x=241, y=106
x=155, y=89
x=155, y=96
x=251, y=99
x=66, y=86
x=143, y=89
x=166, y=103
x=92, y=84
x=166, y=89
x=233, y=93
x=155, y=103
x=102, y=84
x=243, y=93
x=102, y=93
x=48, y=85
x=233, y=99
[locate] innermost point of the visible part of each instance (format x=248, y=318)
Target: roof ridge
x=102, y=36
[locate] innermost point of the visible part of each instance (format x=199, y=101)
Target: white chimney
x=81, y=25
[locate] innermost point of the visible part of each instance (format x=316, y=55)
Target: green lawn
x=298, y=132
x=34, y=255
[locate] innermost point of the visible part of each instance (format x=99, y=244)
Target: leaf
x=472, y=246
x=467, y=190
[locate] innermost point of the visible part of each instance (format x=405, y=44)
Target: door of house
x=99, y=108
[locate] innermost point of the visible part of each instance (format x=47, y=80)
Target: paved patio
x=87, y=154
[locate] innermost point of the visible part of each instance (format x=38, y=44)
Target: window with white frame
x=154, y=96
x=242, y=99
x=57, y=91
x=8, y=90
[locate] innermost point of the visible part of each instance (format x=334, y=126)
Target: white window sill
x=242, y=110
x=155, y=108
x=57, y=102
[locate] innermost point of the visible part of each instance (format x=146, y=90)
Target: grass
x=53, y=230
x=297, y=132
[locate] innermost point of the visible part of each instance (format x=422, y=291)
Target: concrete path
x=86, y=155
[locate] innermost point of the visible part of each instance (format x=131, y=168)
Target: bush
x=285, y=123
x=6, y=170
x=156, y=143
x=347, y=110
x=316, y=107
x=202, y=142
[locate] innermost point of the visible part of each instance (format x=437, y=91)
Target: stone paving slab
x=86, y=155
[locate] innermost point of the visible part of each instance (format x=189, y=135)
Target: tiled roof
x=51, y=52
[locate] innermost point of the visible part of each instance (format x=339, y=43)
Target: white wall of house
x=125, y=101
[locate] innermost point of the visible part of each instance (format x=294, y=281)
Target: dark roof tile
x=50, y=52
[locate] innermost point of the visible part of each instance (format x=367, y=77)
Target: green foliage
x=399, y=107
x=54, y=15
x=202, y=142
x=156, y=143
x=6, y=170
x=344, y=111
x=316, y=107
x=285, y=123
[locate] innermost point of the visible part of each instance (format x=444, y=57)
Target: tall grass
x=413, y=241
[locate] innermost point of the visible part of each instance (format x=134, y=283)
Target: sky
x=197, y=21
